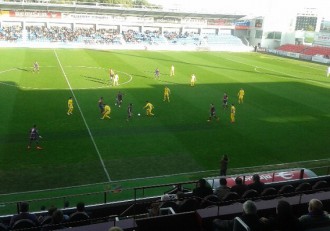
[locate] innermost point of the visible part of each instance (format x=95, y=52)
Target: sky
x=253, y=7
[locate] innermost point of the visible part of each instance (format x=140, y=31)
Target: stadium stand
x=91, y=36
x=11, y=33
x=317, y=50
x=306, y=50
x=292, y=48
x=198, y=213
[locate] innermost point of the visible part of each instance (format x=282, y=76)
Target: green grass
x=285, y=117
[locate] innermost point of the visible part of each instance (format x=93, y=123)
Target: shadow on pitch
x=93, y=79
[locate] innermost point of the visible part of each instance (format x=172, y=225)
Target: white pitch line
x=173, y=175
x=83, y=117
x=8, y=70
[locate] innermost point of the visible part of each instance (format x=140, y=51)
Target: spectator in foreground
x=316, y=215
x=257, y=184
x=80, y=208
x=240, y=188
x=202, y=190
x=284, y=220
x=223, y=189
x=249, y=217
x=24, y=214
x=47, y=218
x=56, y=222
x=154, y=209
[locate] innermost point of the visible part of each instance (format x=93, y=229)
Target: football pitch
x=285, y=116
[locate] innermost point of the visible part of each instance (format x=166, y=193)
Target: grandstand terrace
x=79, y=24
x=297, y=186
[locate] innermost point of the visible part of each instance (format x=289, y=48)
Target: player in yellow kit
x=240, y=95
x=167, y=93
x=70, y=106
x=149, y=107
x=232, y=113
x=106, y=112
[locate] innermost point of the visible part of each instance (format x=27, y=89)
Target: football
x=139, y=114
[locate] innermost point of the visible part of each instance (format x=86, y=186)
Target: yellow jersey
x=167, y=91
x=241, y=92
x=70, y=103
x=149, y=106
x=107, y=108
x=233, y=109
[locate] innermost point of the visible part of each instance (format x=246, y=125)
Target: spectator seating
x=250, y=194
x=229, y=198
x=317, y=50
x=320, y=185
x=192, y=215
x=268, y=193
x=306, y=50
x=11, y=33
x=25, y=224
x=293, y=48
x=303, y=187
x=79, y=219
x=92, y=36
x=209, y=201
x=286, y=190
x=189, y=204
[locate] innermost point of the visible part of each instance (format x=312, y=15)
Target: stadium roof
x=97, y=8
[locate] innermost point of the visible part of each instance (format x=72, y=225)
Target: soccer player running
x=167, y=93
x=172, y=71
x=119, y=99
x=232, y=113
x=225, y=101
x=212, y=113
x=106, y=112
x=193, y=80
x=240, y=95
x=70, y=106
x=34, y=137
x=101, y=105
x=129, y=111
x=116, y=80
x=36, y=67
x=149, y=107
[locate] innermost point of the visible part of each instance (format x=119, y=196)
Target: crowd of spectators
x=149, y=37
x=90, y=35
x=54, y=219
x=66, y=34
x=283, y=220
x=11, y=33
